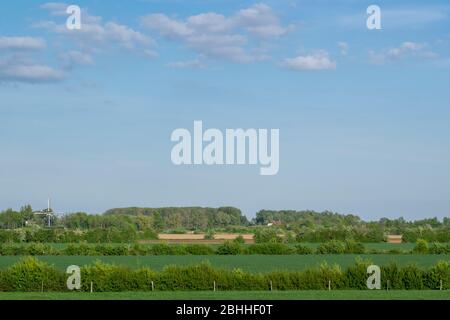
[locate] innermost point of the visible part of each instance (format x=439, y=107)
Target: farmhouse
x=392, y=238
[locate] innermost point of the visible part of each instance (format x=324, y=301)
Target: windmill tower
x=48, y=213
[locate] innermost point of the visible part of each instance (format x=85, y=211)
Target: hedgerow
x=31, y=275
x=230, y=248
x=227, y=248
x=270, y=248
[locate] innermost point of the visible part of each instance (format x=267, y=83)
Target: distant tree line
x=130, y=224
x=312, y=226
x=115, y=225
x=190, y=218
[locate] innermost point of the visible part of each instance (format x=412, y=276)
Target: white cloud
x=260, y=20
x=78, y=48
x=166, y=26
x=21, y=43
x=208, y=22
x=55, y=8
x=316, y=61
x=18, y=65
x=95, y=34
x=217, y=36
x=404, y=50
x=15, y=69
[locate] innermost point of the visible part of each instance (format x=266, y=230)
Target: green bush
x=282, y=280
x=139, y=250
x=197, y=277
x=148, y=234
x=31, y=249
x=229, y=248
x=12, y=250
x=267, y=235
x=270, y=248
x=240, y=280
x=165, y=249
x=437, y=273
x=112, y=278
x=438, y=248
x=240, y=240
x=412, y=277
x=112, y=250
x=392, y=274
x=209, y=235
x=356, y=275
x=421, y=246
x=340, y=247
x=318, y=278
x=31, y=275
x=199, y=249
x=10, y=236
x=331, y=247
x=301, y=249
x=354, y=247
x=81, y=249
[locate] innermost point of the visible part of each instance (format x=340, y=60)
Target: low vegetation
x=31, y=274
x=132, y=224
x=235, y=247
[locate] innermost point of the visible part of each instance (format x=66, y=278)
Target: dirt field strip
x=199, y=238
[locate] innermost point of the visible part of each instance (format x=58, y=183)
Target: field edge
x=236, y=295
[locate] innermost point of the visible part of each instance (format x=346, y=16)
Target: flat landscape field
x=251, y=263
x=239, y=295
x=215, y=244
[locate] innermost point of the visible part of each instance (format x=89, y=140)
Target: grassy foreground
x=238, y=295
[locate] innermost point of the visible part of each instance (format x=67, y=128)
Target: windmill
x=48, y=213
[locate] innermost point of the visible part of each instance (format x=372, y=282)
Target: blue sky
x=363, y=114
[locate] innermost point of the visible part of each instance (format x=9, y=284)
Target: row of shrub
x=330, y=247
x=85, y=249
x=30, y=274
x=422, y=247
x=60, y=235
x=228, y=248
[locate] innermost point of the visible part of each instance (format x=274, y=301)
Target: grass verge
x=237, y=295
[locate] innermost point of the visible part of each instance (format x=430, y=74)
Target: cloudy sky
x=86, y=115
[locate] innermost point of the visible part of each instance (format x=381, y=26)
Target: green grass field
x=378, y=245
x=253, y=263
x=238, y=295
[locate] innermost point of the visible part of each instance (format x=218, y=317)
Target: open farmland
x=214, y=243
x=253, y=263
